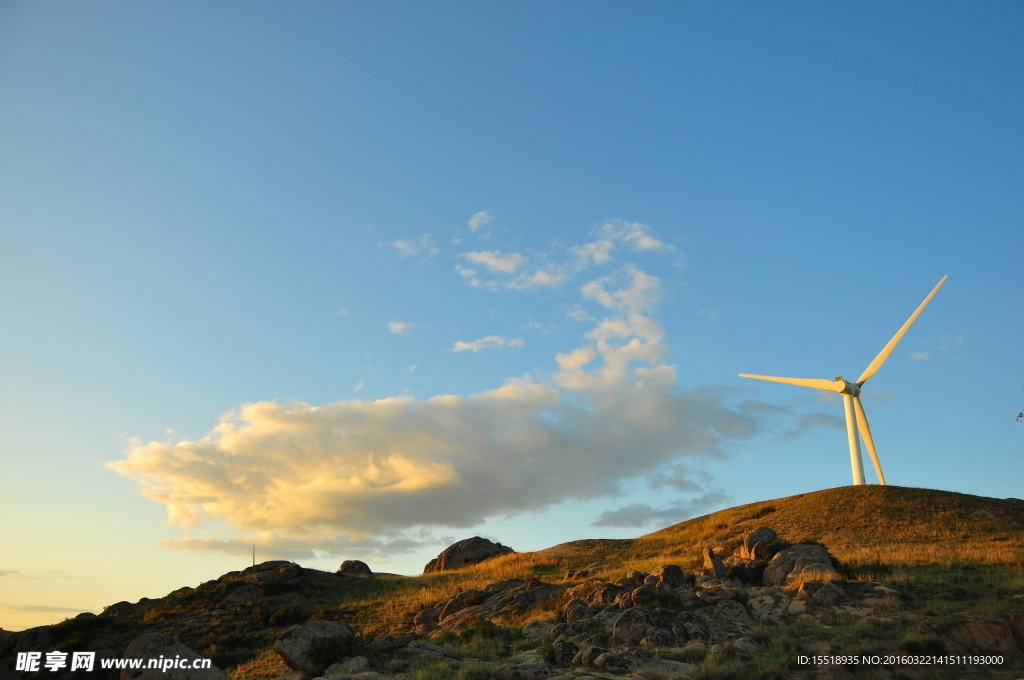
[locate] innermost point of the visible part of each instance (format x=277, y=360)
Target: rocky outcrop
x=799, y=562
x=314, y=646
x=354, y=568
x=159, y=646
x=464, y=553
x=713, y=564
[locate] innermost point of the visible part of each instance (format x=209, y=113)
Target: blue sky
x=356, y=280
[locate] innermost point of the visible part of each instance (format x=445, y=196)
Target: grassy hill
x=929, y=543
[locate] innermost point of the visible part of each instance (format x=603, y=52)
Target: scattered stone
x=605, y=594
x=348, y=666
x=35, y=640
x=313, y=646
x=419, y=648
x=523, y=671
x=761, y=535
x=354, y=568
x=735, y=613
x=464, y=553
x=388, y=643
x=426, y=616
x=563, y=651
x=713, y=563
x=632, y=625
x=670, y=575
x=157, y=645
x=537, y=630
x=245, y=593
x=828, y=594
x=799, y=562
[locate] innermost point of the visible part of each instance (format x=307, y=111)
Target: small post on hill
x=254, y=554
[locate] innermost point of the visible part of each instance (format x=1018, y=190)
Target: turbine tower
x=855, y=418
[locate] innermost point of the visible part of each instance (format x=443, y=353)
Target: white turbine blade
x=865, y=431
x=851, y=435
x=884, y=354
x=816, y=383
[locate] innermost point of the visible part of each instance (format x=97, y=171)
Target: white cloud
x=412, y=368
x=480, y=219
x=484, y=343
x=920, y=356
x=359, y=386
x=636, y=236
x=407, y=247
x=400, y=327
x=598, y=252
x=496, y=261
x=340, y=312
x=380, y=475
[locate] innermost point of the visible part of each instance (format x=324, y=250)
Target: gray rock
x=587, y=655
x=350, y=666
x=355, y=568
x=419, y=648
x=713, y=563
x=537, y=630
x=605, y=594
x=758, y=535
x=313, y=646
x=427, y=616
x=388, y=643
x=767, y=607
x=245, y=593
x=610, y=661
x=632, y=625
x=670, y=575
x=563, y=651
x=156, y=645
x=799, y=562
x=464, y=553
x=734, y=612
x=828, y=594
x=658, y=638
x=35, y=640
x=522, y=671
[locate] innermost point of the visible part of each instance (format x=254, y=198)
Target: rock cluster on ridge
x=464, y=553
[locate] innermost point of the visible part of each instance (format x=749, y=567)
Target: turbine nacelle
x=851, y=388
x=856, y=420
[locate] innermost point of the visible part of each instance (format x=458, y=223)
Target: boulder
x=430, y=615
x=388, y=643
x=605, y=594
x=632, y=626
x=713, y=564
x=349, y=666
x=157, y=645
x=587, y=655
x=522, y=671
x=34, y=640
x=464, y=553
x=670, y=575
x=354, y=568
x=563, y=651
x=245, y=593
x=758, y=535
x=314, y=646
x=799, y=562
x=537, y=630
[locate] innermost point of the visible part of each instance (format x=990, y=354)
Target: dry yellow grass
x=862, y=526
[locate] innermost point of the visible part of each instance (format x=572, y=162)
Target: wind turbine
x=855, y=418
